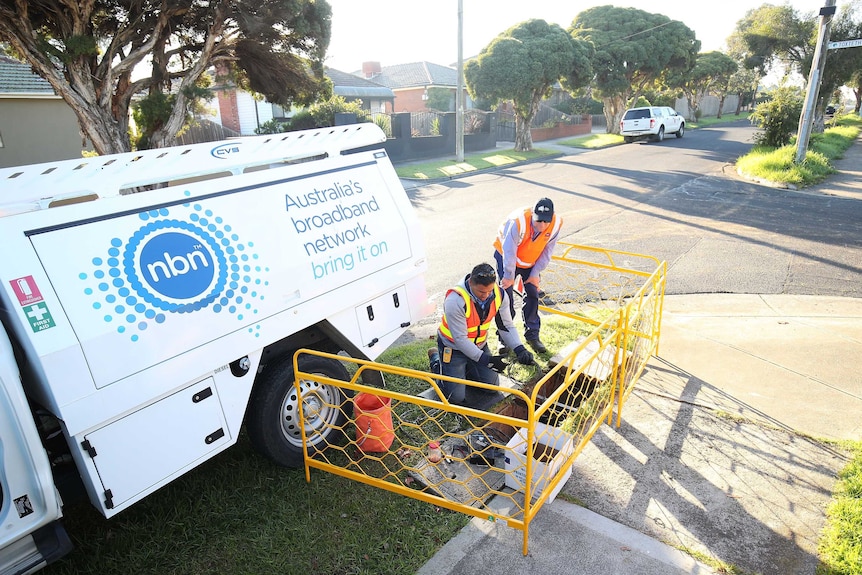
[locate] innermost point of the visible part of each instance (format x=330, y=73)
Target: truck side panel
x=195, y=265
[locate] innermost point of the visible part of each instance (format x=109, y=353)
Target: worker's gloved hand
x=495, y=362
x=524, y=356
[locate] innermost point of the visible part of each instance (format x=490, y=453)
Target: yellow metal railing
x=586, y=282
x=522, y=445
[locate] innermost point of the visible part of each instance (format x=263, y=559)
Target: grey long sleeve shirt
x=456, y=317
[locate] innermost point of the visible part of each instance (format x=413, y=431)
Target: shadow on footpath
x=744, y=494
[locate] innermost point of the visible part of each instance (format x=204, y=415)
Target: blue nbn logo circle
x=175, y=265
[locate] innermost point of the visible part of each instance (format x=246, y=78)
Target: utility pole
x=459, y=96
x=806, y=119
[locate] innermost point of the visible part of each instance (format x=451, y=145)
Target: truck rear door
x=637, y=121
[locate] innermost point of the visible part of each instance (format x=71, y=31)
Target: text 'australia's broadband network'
x=341, y=206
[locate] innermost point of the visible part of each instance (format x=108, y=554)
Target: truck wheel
x=628, y=139
x=272, y=419
x=660, y=136
x=681, y=132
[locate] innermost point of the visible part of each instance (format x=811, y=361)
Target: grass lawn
x=777, y=164
x=448, y=168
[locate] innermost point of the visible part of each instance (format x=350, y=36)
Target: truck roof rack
x=31, y=187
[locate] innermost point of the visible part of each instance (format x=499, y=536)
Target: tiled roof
x=348, y=85
x=18, y=78
x=417, y=74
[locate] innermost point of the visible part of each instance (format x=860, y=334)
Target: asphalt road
x=680, y=200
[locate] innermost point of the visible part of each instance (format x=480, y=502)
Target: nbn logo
x=223, y=151
x=177, y=265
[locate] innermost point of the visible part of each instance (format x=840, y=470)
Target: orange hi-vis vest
x=477, y=330
x=529, y=249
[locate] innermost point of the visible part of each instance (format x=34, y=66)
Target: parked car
x=651, y=122
x=830, y=111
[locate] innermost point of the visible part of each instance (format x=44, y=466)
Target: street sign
x=845, y=44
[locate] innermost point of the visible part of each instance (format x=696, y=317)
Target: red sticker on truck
x=26, y=291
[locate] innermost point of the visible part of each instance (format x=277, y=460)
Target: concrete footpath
x=720, y=452
x=713, y=455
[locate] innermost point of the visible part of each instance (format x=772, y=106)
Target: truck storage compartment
x=143, y=449
x=383, y=315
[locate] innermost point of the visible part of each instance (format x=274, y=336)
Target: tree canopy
x=93, y=52
x=711, y=73
x=633, y=49
x=772, y=35
x=522, y=65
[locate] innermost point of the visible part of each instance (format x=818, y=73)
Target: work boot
x=434, y=360
x=537, y=345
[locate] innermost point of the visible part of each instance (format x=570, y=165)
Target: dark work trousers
x=530, y=309
x=462, y=367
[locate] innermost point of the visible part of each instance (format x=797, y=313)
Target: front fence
x=204, y=131
x=522, y=443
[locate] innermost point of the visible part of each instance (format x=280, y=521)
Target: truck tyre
x=660, y=136
x=628, y=139
x=681, y=132
x=272, y=419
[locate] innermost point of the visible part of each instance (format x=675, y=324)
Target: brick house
x=374, y=96
x=410, y=83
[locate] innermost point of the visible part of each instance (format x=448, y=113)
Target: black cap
x=544, y=210
x=483, y=274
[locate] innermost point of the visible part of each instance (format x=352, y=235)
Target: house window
x=278, y=112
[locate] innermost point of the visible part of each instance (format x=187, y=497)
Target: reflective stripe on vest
x=529, y=249
x=476, y=331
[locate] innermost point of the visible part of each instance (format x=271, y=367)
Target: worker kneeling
x=469, y=310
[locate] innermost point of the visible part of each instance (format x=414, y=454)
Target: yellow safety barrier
x=584, y=279
x=406, y=437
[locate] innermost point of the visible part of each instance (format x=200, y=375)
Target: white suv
x=651, y=122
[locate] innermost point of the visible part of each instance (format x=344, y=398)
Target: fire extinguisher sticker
x=26, y=290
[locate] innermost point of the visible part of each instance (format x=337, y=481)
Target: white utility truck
x=152, y=302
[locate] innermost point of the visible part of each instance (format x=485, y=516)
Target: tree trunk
x=693, y=105
x=523, y=135
x=108, y=135
x=720, y=105
x=166, y=135
x=614, y=109
x=524, y=116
